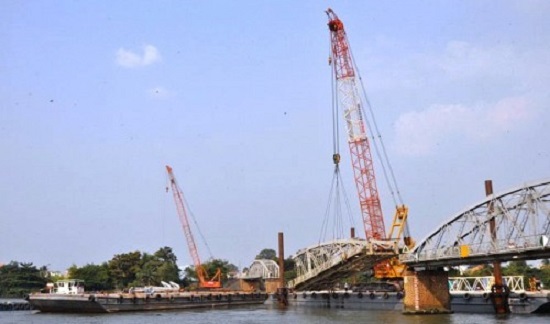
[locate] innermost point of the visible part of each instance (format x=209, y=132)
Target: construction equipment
x=349, y=98
x=204, y=280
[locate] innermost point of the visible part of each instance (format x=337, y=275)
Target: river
x=267, y=314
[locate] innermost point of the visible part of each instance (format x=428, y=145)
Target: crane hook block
x=336, y=158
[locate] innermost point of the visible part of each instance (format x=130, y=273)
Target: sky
x=97, y=97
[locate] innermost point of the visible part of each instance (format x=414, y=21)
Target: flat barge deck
x=130, y=302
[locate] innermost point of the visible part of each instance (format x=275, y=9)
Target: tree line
x=140, y=269
x=17, y=279
x=133, y=269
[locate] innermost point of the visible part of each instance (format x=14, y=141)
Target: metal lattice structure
x=262, y=269
x=521, y=221
x=322, y=266
x=484, y=284
x=351, y=103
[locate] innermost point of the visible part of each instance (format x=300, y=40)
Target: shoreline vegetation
x=141, y=269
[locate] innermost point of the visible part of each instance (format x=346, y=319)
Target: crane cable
x=385, y=162
x=337, y=183
x=192, y=216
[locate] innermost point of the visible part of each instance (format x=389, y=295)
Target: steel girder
x=321, y=266
x=521, y=218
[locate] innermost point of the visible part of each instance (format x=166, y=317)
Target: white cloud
x=420, y=132
x=130, y=59
x=462, y=59
x=159, y=93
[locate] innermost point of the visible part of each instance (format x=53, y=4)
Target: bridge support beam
x=426, y=292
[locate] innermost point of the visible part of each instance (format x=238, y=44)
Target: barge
x=467, y=295
x=69, y=297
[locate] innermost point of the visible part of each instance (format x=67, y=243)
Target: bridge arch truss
x=263, y=268
x=521, y=230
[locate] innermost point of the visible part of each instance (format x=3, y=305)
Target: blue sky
x=97, y=97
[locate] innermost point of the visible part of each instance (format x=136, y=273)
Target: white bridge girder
x=320, y=266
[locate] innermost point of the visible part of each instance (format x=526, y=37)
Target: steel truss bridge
x=521, y=222
x=321, y=266
x=514, y=225
x=262, y=268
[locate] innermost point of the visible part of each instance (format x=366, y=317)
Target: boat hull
x=475, y=302
x=519, y=303
x=343, y=300
x=110, y=303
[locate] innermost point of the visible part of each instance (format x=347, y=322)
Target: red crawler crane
x=204, y=280
x=361, y=158
x=351, y=102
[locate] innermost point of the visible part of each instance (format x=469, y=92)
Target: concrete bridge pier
x=426, y=292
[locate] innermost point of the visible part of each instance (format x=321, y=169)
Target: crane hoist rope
x=337, y=195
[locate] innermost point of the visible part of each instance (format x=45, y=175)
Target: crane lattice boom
x=204, y=281
x=361, y=157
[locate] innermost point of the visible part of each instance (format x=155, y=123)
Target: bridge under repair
x=520, y=230
x=321, y=266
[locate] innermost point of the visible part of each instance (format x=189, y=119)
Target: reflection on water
x=265, y=314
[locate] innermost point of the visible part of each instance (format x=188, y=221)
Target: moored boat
x=69, y=297
x=467, y=295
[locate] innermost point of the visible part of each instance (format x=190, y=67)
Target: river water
x=267, y=314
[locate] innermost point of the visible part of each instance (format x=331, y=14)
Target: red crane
x=204, y=280
x=361, y=158
x=351, y=102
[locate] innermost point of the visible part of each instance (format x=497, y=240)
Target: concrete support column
x=426, y=292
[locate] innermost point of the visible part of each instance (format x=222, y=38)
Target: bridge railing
x=466, y=250
x=484, y=284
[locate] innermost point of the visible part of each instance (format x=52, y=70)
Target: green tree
x=516, y=268
x=268, y=254
x=147, y=274
x=96, y=277
x=290, y=268
x=168, y=270
x=166, y=254
x=123, y=268
x=19, y=279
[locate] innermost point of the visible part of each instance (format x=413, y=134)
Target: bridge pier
x=426, y=292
